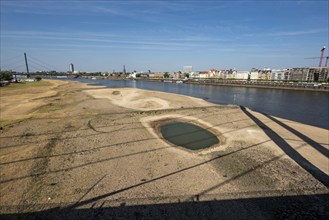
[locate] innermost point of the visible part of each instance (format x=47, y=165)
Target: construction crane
x=321, y=57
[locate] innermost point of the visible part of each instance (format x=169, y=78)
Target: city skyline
x=165, y=35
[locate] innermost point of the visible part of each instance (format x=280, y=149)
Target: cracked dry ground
x=75, y=152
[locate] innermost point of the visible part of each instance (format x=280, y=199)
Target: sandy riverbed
x=80, y=147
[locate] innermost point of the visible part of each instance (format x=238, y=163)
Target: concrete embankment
x=269, y=85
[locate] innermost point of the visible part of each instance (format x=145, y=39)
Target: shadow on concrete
x=107, y=116
x=289, y=150
x=96, y=129
x=118, y=144
x=308, y=140
x=127, y=155
x=37, y=174
x=281, y=207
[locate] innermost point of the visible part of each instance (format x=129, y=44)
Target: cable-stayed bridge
x=25, y=64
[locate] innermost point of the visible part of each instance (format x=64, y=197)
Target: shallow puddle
x=188, y=135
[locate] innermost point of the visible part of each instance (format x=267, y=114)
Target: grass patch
x=24, y=85
x=48, y=109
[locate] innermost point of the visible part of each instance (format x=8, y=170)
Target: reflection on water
x=133, y=83
x=302, y=106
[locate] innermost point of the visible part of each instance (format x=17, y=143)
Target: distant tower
x=124, y=70
x=71, y=67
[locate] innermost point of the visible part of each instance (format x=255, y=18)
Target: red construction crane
x=321, y=57
x=327, y=57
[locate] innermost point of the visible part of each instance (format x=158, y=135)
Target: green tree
x=166, y=75
x=6, y=75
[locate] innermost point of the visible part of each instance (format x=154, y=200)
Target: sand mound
x=145, y=100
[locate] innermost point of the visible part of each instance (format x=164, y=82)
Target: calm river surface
x=303, y=106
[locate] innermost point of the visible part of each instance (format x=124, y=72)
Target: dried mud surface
x=77, y=150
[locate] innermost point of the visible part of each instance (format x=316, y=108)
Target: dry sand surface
x=18, y=104
x=68, y=149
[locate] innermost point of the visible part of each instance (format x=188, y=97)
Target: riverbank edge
x=203, y=82
x=254, y=84
x=260, y=86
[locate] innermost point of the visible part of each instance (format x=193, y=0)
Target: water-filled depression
x=187, y=135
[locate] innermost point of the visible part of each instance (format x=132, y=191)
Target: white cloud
x=111, y=39
x=297, y=33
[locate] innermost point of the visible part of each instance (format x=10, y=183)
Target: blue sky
x=162, y=35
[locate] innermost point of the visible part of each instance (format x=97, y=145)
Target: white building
x=194, y=75
x=242, y=74
x=203, y=75
x=213, y=73
x=132, y=75
x=229, y=74
x=254, y=74
x=277, y=75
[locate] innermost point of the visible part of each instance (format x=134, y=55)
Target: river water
x=307, y=107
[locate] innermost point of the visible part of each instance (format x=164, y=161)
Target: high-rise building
x=187, y=69
x=71, y=67
x=124, y=70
